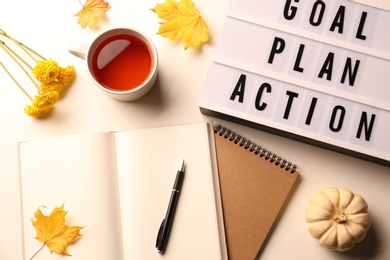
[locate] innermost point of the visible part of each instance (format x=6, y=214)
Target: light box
x=314, y=71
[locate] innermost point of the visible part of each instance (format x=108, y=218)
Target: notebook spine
x=256, y=149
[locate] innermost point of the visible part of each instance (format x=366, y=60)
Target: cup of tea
x=122, y=62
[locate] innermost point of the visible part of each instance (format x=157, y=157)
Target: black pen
x=165, y=228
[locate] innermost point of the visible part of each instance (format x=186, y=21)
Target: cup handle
x=78, y=49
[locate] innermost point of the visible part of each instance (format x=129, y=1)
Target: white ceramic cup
x=103, y=52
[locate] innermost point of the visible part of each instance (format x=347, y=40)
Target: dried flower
x=52, y=86
x=52, y=77
x=42, y=104
x=66, y=74
x=46, y=71
x=36, y=112
x=46, y=100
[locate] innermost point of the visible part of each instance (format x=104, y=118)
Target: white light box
x=315, y=71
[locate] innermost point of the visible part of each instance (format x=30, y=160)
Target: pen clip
x=158, y=240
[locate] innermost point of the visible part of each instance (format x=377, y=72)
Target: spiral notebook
x=254, y=183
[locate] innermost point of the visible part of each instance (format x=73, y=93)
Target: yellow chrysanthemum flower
x=42, y=104
x=46, y=71
x=66, y=74
x=36, y=111
x=52, y=86
x=47, y=99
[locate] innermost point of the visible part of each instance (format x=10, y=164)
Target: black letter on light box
x=367, y=127
x=340, y=122
x=359, y=34
x=351, y=74
x=267, y=87
x=299, y=58
x=314, y=11
x=311, y=110
x=239, y=89
x=339, y=20
x=291, y=95
x=287, y=8
x=277, y=47
x=327, y=67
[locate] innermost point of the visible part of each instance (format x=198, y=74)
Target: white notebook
x=118, y=186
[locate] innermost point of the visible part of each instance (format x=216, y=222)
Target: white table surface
x=49, y=27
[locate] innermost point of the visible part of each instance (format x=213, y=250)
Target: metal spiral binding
x=256, y=149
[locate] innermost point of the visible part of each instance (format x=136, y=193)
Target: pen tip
x=181, y=168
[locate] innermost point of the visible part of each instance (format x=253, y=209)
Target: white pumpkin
x=338, y=218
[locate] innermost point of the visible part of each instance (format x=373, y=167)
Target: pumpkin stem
x=340, y=217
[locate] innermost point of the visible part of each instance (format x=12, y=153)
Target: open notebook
x=118, y=185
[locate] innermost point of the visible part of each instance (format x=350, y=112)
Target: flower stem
x=28, y=50
x=9, y=50
x=16, y=82
x=12, y=54
x=38, y=251
x=25, y=48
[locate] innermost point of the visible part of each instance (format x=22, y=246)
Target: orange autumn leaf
x=182, y=22
x=92, y=12
x=52, y=230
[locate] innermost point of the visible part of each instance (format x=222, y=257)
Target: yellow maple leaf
x=182, y=22
x=92, y=12
x=52, y=230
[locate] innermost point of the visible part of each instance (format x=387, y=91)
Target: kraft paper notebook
x=255, y=184
x=118, y=186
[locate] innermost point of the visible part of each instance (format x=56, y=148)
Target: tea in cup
x=122, y=62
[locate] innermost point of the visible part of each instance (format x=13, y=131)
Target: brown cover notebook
x=254, y=184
